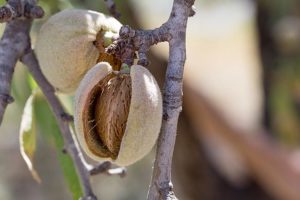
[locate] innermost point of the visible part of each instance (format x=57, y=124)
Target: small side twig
x=106, y=168
x=33, y=11
x=121, y=171
x=100, y=168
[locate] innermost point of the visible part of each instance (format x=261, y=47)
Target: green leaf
x=50, y=130
x=27, y=136
x=33, y=85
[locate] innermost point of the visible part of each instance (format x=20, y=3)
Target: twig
x=161, y=186
x=111, y=6
x=100, y=168
x=105, y=167
x=71, y=145
x=121, y=171
x=13, y=44
x=130, y=40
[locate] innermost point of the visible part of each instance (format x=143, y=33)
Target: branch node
x=66, y=117
x=14, y=9
x=126, y=32
x=6, y=98
x=100, y=168
x=166, y=190
x=33, y=11
x=131, y=40
x=105, y=168
x=5, y=13
x=64, y=150
x=192, y=11
x=143, y=59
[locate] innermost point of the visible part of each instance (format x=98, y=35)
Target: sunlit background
x=242, y=58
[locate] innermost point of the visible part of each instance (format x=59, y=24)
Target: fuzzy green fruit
x=66, y=46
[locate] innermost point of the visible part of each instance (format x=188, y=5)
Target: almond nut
x=117, y=115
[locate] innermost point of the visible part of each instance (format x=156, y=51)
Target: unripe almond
x=70, y=43
x=117, y=115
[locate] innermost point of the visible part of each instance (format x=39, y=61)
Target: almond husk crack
x=103, y=56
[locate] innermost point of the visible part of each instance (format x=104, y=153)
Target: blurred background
x=239, y=133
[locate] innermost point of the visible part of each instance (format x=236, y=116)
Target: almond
x=118, y=115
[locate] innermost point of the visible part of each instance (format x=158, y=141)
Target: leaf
x=50, y=130
x=27, y=137
x=33, y=85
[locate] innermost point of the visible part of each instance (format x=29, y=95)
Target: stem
x=129, y=41
x=13, y=44
x=71, y=145
x=161, y=186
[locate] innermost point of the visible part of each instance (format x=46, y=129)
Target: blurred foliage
x=285, y=101
x=280, y=32
x=279, y=8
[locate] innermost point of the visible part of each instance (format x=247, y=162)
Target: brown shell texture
x=118, y=116
x=92, y=138
x=111, y=112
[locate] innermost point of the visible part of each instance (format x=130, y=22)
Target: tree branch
x=14, y=42
x=130, y=41
x=161, y=185
x=71, y=145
